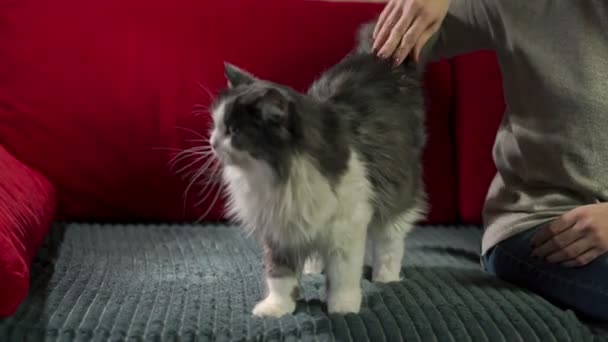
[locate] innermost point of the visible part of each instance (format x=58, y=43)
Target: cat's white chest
x=303, y=210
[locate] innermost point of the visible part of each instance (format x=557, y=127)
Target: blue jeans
x=583, y=289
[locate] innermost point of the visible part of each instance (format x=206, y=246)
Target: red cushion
x=102, y=84
x=478, y=108
x=27, y=206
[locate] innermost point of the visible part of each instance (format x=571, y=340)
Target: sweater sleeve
x=470, y=25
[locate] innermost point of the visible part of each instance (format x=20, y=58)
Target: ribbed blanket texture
x=200, y=282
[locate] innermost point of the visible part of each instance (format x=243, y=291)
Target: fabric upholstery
x=92, y=93
x=27, y=206
x=478, y=109
x=199, y=283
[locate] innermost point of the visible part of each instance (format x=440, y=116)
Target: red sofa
x=92, y=92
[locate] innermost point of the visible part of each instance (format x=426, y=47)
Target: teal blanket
x=199, y=283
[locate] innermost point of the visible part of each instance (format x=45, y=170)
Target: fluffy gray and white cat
x=318, y=176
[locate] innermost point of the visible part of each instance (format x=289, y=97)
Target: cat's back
x=364, y=76
x=374, y=99
x=380, y=109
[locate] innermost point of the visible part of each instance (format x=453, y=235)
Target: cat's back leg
x=388, y=244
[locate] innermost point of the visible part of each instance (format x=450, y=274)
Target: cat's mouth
x=220, y=156
x=238, y=159
x=225, y=158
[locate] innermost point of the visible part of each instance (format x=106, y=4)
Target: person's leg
x=583, y=289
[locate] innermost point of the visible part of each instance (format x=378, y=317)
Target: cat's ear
x=237, y=76
x=275, y=105
x=277, y=99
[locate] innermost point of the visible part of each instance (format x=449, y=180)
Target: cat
x=317, y=176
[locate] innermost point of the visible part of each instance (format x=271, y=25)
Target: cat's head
x=254, y=121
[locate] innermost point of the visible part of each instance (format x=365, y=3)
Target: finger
x=584, y=259
x=424, y=38
x=396, y=35
x=387, y=27
x=550, y=230
x=408, y=40
x=559, y=241
x=572, y=251
x=382, y=18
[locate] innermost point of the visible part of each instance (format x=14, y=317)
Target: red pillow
x=27, y=206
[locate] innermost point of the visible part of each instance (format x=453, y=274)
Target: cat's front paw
x=345, y=302
x=274, y=307
x=386, y=277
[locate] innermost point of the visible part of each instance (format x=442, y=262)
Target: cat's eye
x=232, y=130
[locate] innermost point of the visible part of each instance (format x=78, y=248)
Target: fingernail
x=396, y=62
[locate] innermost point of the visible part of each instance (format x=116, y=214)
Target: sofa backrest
x=91, y=93
x=477, y=110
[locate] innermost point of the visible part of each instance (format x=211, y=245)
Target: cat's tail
x=365, y=39
x=365, y=43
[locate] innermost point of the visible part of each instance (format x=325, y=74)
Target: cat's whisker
x=189, y=165
x=202, y=175
x=209, y=176
x=213, y=202
x=192, y=152
x=205, y=90
x=185, y=195
x=183, y=154
x=212, y=179
x=209, y=165
x=187, y=175
x=172, y=149
x=195, y=148
x=191, y=131
x=193, y=181
x=179, y=157
x=210, y=169
x=200, y=112
x=209, y=172
x=205, y=141
x=200, y=109
x=208, y=189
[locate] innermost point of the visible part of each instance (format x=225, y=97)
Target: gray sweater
x=551, y=150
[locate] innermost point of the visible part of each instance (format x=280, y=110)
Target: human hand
x=404, y=25
x=576, y=238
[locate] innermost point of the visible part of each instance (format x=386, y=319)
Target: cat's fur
x=314, y=176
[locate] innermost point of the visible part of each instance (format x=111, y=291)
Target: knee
x=584, y=290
